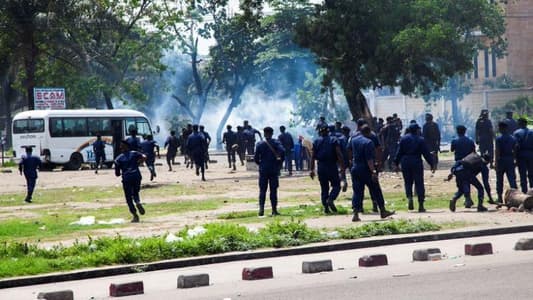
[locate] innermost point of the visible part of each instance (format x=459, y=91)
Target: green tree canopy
x=413, y=44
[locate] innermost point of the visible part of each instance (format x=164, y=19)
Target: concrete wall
x=408, y=108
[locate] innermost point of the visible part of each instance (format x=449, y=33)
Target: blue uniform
x=287, y=142
x=410, y=151
x=269, y=161
x=196, y=145
x=463, y=179
x=148, y=148
x=29, y=165
x=99, y=152
x=505, y=145
x=127, y=165
x=324, y=151
x=462, y=146
x=524, y=157
x=485, y=136
x=230, y=139
x=298, y=155
x=363, y=150
x=134, y=142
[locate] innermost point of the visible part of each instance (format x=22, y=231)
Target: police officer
x=464, y=177
x=229, y=138
x=133, y=140
x=321, y=123
x=127, y=165
x=185, y=133
x=207, y=138
x=287, y=142
x=378, y=159
x=327, y=151
x=364, y=172
x=269, y=155
x=511, y=123
x=241, y=142
x=250, y=133
x=524, y=156
x=391, y=139
x=171, y=144
x=148, y=148
x=410, y=150
x=431, y=134
x=28, y=166
x=99, y=152
x=504, y=159
x=485, y=135
x=462, y=146
x=344, y=138
x=196, y=145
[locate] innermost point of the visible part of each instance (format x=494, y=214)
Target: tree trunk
x=235, y=100
x=30, y=62
x=108, y=102
x=357, y=103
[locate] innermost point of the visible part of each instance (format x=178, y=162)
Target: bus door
x=118, y=135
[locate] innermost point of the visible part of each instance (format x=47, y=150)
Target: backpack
x=473, y=163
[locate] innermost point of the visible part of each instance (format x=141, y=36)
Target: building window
x=486, y=56
x=476, y=71
x=493, y=63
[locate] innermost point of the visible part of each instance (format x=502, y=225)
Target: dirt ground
x=222, y=183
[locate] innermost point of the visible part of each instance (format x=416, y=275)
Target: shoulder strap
x=272, y=149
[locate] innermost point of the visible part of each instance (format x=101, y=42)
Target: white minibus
x=65, y=137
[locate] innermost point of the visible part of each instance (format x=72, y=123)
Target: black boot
x=480, y=207
x=355, y=217
x=452, y=204
x=332, y=206
x=469, y=203
x=421, y=208
x=410, y=204
x=385, y=213
x=261, y=211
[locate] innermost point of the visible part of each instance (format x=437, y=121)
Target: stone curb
x=126, y=289
x=192, y=281
x=222, y=258
x=478, y=249
x=374, y=260
x=524, y=244
x=58, y=295
x=317, y=266
x=257, y=273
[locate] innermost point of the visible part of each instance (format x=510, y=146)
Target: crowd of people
x=365, y=151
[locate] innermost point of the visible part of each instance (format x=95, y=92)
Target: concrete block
x=374, y=260
x=317, y=266
x=478, y=249
x=126, y=289
x=191, y=281
x=257, y=273
x=57, y=295
x=434, y=256
x=423, y=254
x=524, y=244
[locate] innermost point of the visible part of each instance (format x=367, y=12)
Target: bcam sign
x=49, y=98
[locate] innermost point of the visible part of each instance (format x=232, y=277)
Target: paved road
x=504, y=275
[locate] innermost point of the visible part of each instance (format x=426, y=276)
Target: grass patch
x=302, y=211
x=17, y=259
x=9, y=163
x=56, y=223
x=91, y=194
x=387, y=228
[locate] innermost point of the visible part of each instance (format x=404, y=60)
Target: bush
x=28, y=259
